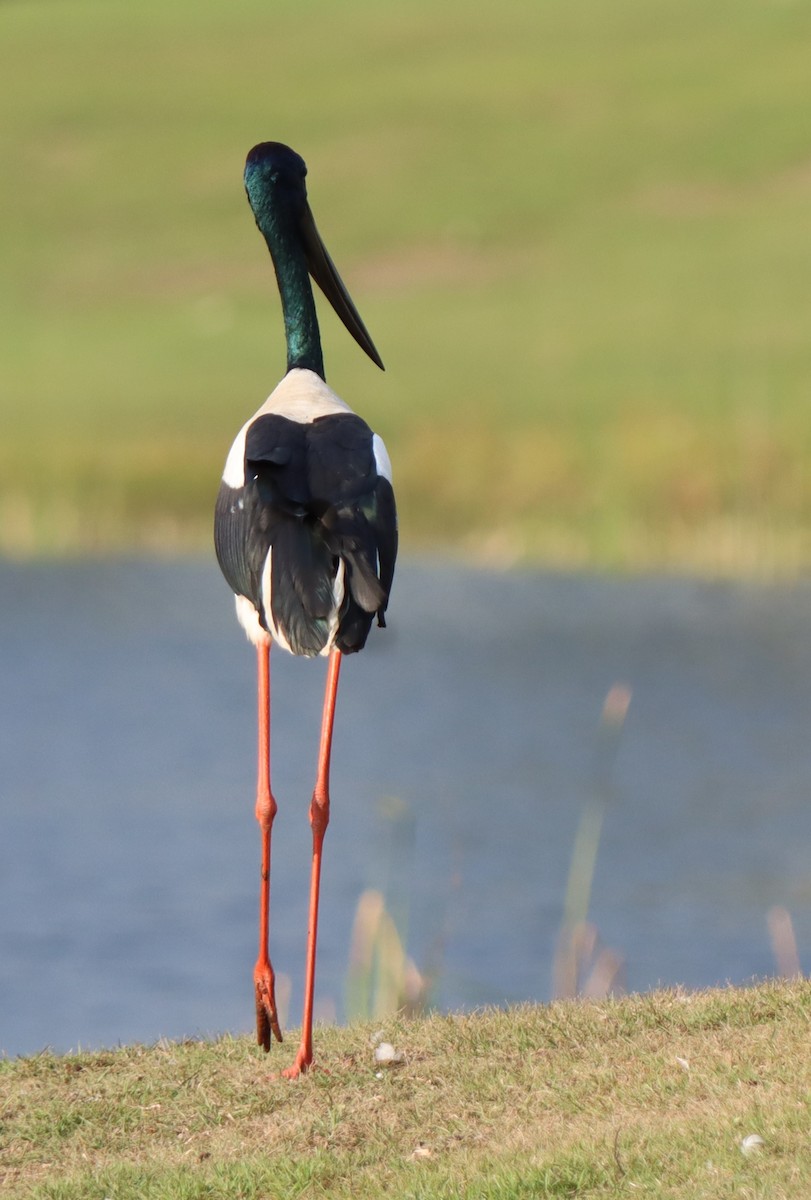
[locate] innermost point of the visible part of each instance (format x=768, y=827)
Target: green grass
x=651, y=1095
x=578, y=233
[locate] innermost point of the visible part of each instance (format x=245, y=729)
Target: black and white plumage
x=305, y=526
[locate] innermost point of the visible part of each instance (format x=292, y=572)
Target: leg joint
x=266, y=809
x=319, y=814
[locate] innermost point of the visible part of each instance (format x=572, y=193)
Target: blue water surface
x=468, y=743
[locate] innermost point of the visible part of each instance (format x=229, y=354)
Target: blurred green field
x=579, y=233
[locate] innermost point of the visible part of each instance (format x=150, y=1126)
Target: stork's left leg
x=319, y=819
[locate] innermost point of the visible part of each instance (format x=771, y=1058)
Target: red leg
x=267, y=1022
x=319, y=819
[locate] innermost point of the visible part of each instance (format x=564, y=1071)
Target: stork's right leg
x=267, y=1021
x=319, y=819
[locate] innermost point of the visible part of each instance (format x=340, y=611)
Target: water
x=128, y=847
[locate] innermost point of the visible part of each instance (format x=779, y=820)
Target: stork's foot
x=303, y=1063
x=267, y=1020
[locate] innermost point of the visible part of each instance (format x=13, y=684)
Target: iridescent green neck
x=292, y=276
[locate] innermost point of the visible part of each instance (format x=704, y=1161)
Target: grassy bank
x=578, y=233
x=651, y=1095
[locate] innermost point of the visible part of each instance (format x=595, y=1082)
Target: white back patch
x=382, y=460
x=234, y=471
x=301, y=396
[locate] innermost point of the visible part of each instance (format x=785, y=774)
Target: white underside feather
x=248, y=617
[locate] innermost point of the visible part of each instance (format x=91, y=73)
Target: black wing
x=313, y=496
x=359, y=519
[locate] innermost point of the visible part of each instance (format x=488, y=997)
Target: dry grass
x=650, y=1095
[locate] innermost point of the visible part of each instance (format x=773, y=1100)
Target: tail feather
x=353, y=629
x=302, y=612
x=364, y=584
x=351, y=538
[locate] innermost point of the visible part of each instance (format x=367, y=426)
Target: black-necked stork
x=305, y=526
